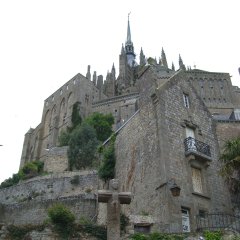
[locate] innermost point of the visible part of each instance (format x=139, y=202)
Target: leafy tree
x=76, y=117
x=107, y=168
x=63, y=138
x=102, y=124
x=82, y=147
x=230, y=159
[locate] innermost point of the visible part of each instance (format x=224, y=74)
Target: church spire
x=164, y=59
x=129, y=41
x=142, y=58
x=129, y=49
x=181, y=65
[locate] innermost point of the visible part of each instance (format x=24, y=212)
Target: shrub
x=60, y=215
x=212, y=235
x=29, y=170
x=62, y=218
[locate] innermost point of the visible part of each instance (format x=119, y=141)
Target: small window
x=186, y=100
x=202, y=213
x=142, y=229
x=197, y=180
x=61, y=92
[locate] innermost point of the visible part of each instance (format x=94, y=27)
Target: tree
x=106, y=170
x=82, y=147
x=64, y=136
x=230, y=159
x=102, y=124
x=76, y=117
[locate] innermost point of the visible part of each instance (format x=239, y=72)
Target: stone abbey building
x=170, y=125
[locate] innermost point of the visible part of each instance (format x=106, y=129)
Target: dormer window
x=186, y=100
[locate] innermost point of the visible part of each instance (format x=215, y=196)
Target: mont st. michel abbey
x=170, y=125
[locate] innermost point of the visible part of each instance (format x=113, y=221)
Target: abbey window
x=186, y=100
x=197, y=180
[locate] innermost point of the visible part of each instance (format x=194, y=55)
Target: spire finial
x=129, y=15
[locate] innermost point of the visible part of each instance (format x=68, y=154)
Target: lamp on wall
x=174, y=188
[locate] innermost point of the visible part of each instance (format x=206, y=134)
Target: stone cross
x=113, y=198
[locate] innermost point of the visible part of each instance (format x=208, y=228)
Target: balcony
x=197, y=148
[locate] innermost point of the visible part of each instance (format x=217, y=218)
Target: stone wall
x=215, y=89
x=227, y=130
x=35, y=212
x=56, y=159
x=150, y=152
x=27, y=202
x=121, y=107
x=56, y=115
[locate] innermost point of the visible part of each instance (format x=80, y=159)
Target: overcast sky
x=43, y=44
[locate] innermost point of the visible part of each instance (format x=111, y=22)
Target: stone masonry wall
x=27, y=202
x=227, y=130
x=150, y=151
x=56, y=160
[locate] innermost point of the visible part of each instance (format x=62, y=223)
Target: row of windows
x=61, y=91
x=186, y=101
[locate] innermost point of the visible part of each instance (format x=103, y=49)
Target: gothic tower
x=126, y=65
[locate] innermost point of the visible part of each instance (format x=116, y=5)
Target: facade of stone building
x=170, y=124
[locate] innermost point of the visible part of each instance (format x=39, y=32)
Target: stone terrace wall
x=35, y=212
x=56, y=160
x=28, y=201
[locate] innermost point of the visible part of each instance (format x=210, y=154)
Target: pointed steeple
x=129, y=41
x=160, y=62
x=129, y=49
x=95, y=78
x=142, y=58
x=88, y=75
x=181, y=65
x=122, y=50
x=173, y=67
x=113, y=72
x=164, y=59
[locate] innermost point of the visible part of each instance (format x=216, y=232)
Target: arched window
x=62, y=115
x=46, y=124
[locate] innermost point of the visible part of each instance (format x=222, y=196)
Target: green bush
x=138, y=236
x=157, y=236
x=61, y=215
x=63, y=219
x=217, y=235
x=29, y=170
x=19, y=232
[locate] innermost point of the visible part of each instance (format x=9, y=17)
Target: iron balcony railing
x=193, y=145
x=217, y=221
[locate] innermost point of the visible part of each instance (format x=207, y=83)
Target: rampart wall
x=28, y=201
